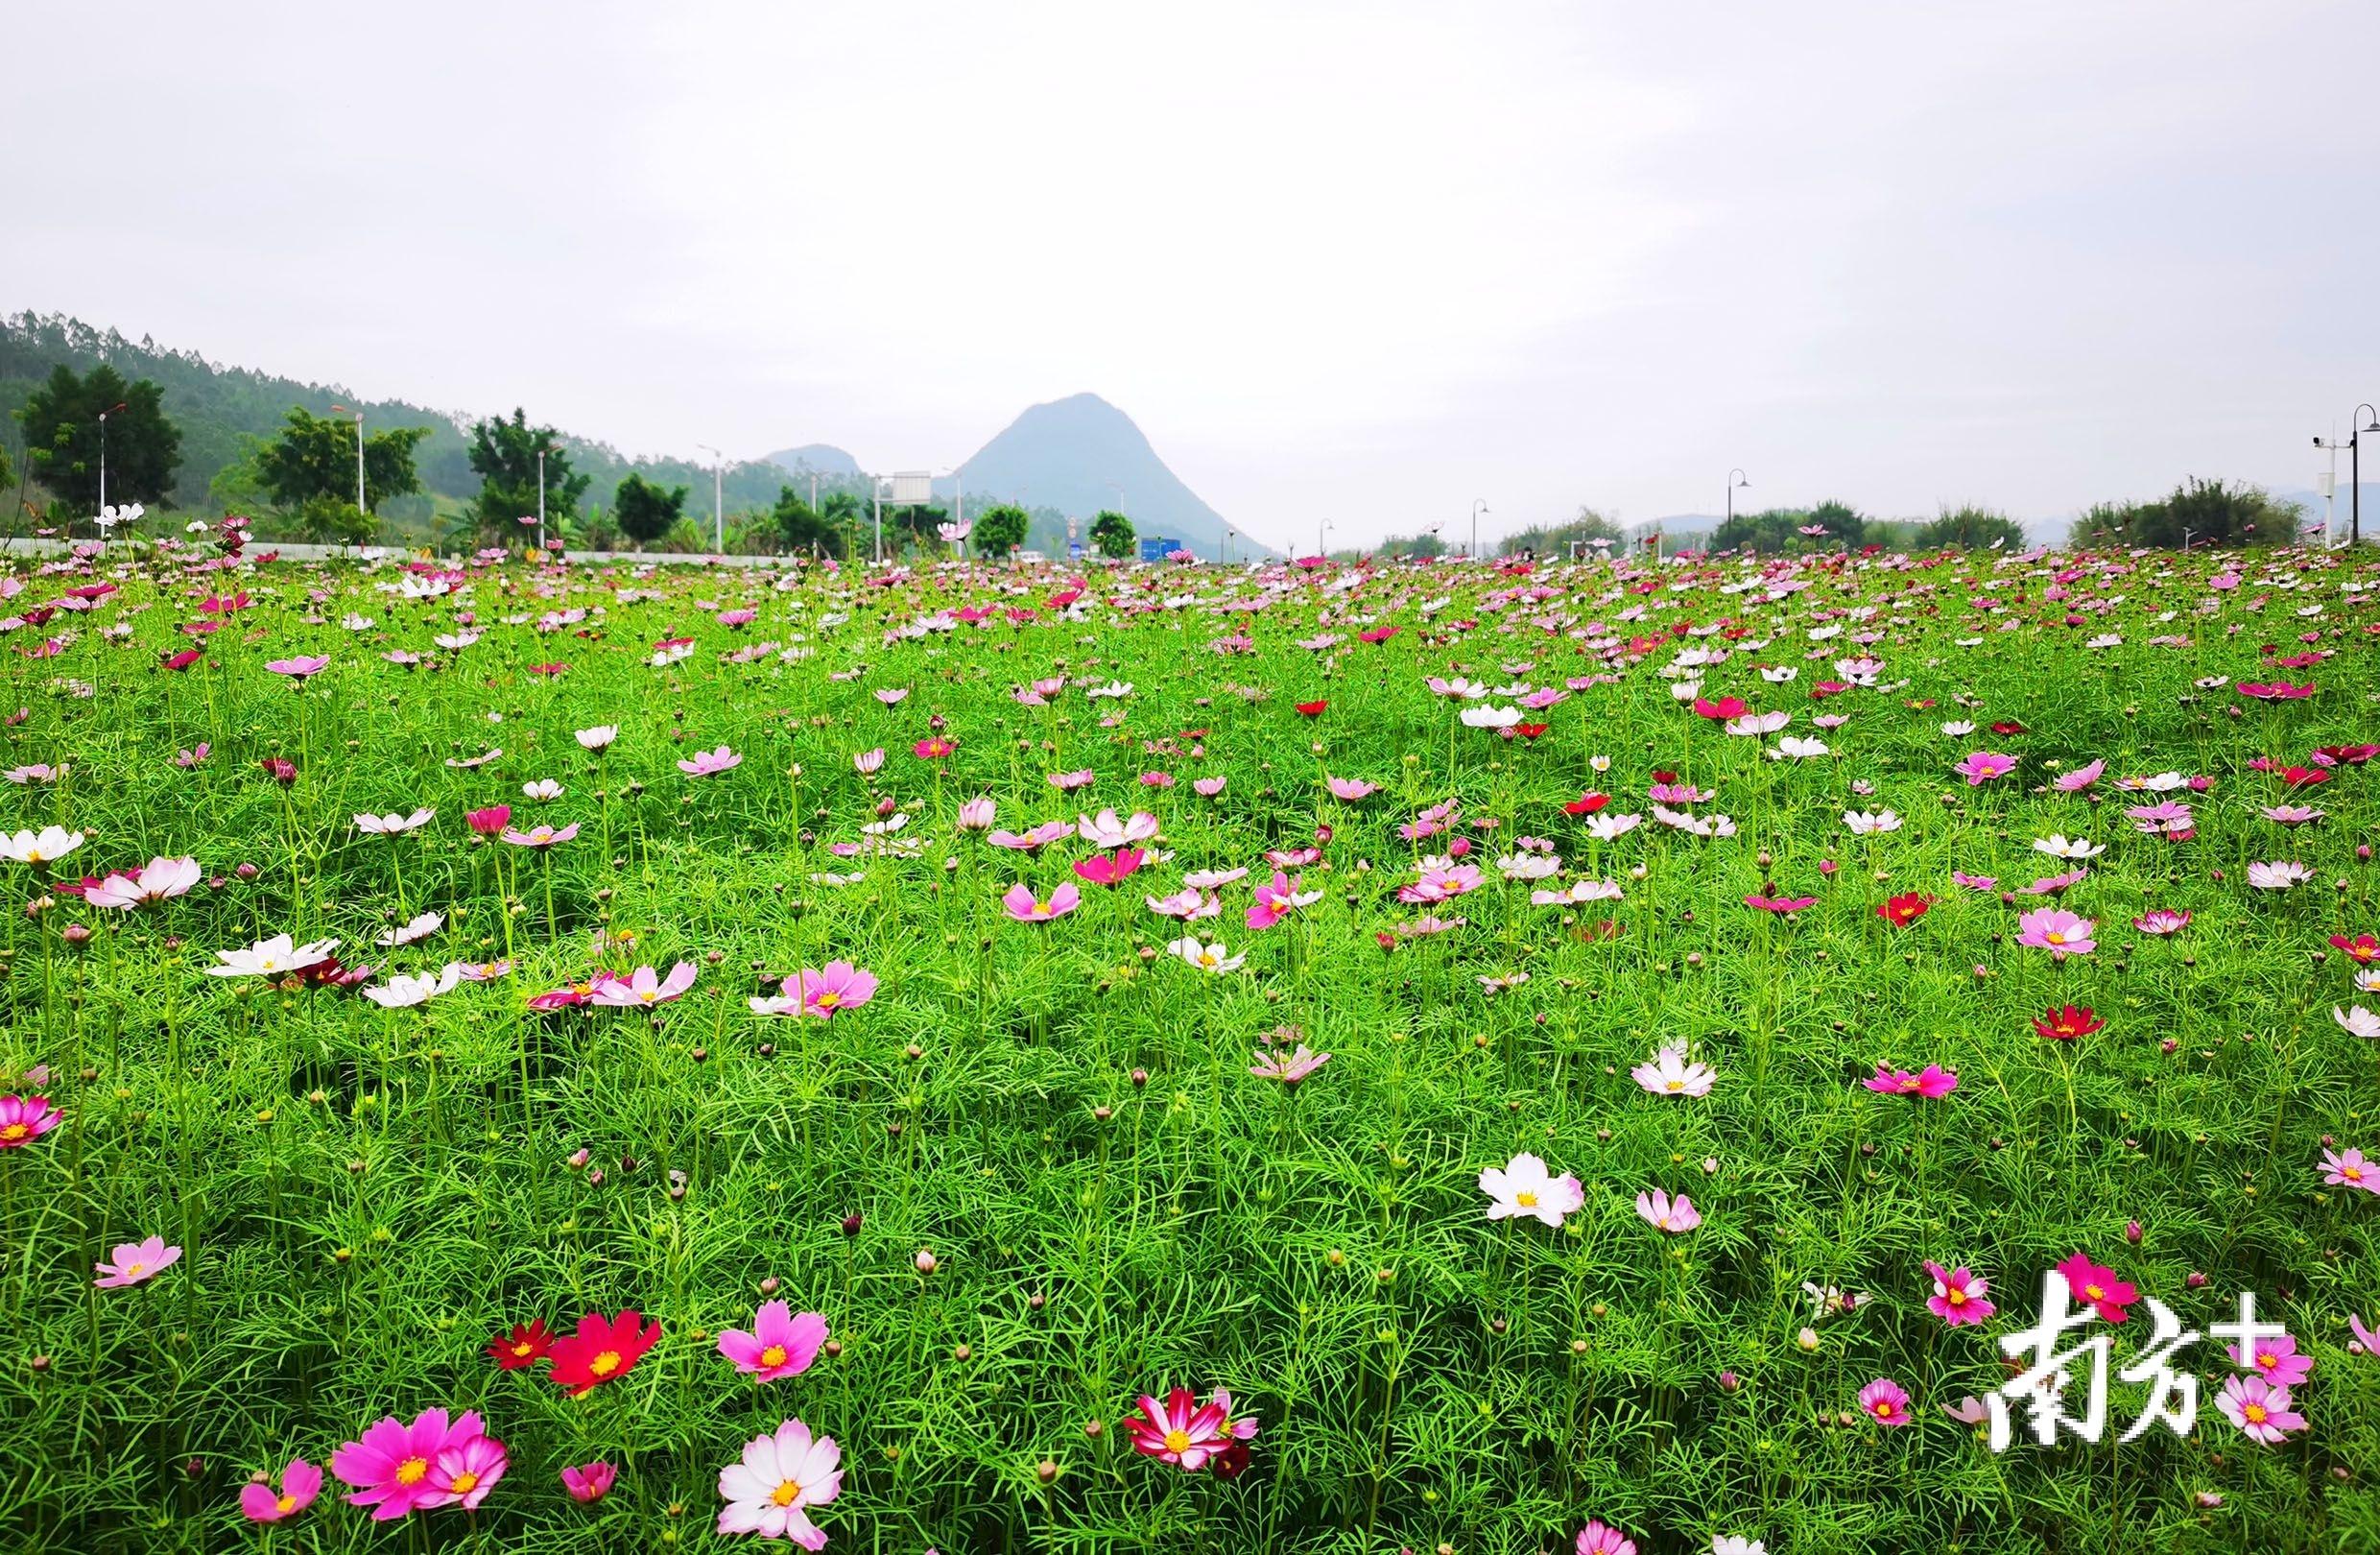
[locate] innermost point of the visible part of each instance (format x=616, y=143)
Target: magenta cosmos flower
x=1979, y=767
x=1278, y=899
x=389, y=1469
x=465, y=1469
x=137, y=1263
x=23, y=1119
x=781, y=1343
x=705, y=763
x=1188, y=1434
x=1022, y=905
x=1525, y=1188
x=1599, y=1538
x=1676, y=1216
x=644, y=987
x=2258, y=1408
x=1958, y=1295
x=300, y=1483
x=2347, y=1168
x=770, y=1491
x=1885, y=1402
x=2161, y=922
x=590, y=1482
x=1932, y=1082
x=2276, y=1358
x=2060, y=932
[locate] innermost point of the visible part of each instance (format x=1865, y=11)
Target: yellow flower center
x=463, y=1484
x=787, y=1493
x=1177, y=1440
x=132, y=1270
x=2268, y=1360
x=411, y=1471
x=774, y=1356
x=2255, y=1414
x=604, y=1364
x=827, y=1001
x=523, y=1347
x=1956, y=1296
x=1676, y=1085
x=1526, y=1200
x=285, y=1504
x=2095, y=1293
x=16, y=1130
x=2054, y=938
x=1884, y=1409
x=2353, y=1174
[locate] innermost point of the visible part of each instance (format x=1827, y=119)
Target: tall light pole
x=719, y=508
x=359, y=454
x=2357, y=426
x=1478, y=505
x=541, y=453
x=103, y=451
x=1735, y=479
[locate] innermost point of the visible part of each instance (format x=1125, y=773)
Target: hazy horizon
x=1373, y=263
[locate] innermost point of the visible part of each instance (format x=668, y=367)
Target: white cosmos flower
x=1529, y=866
x=277, y=957
x=1525, y=1188
x=47, y=846
x=1758, y=724
x=1670, y=1073
x=544, y=788
x=1958, y=729
x=421, y=927
x=1799, y=749
x=1576, y=892
x=600, y=736
x=1863, y=823
x=1212, y=958
x=1113, y=688
x=390, y=825
x=1779, y=673
x=401, y=992
x=2357, y=1021
x=2057, y=845
x=1610, y=827
x=1107, y=830
x=160, y=879
x=1490, y=717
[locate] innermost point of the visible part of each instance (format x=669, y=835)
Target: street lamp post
x=541, y=453
x=719, y=508
x=1735, y=478
x=103, y=451
x=359, y=454
x=1478, y=505
x=2364, y=420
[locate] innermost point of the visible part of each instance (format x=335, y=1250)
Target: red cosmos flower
x=181, y=661
x=522, y=1349
x=2364, y=950
x=2277, y=691
x=933, y=749
x=2066, y=1022
x=1586, y=803
x=2303, y=777
x=2098, y=1287
x=491, y=821
x=2008, y=726
x=1905, y=909
x=604, y=1350
x=1530, y=731
x=549, y=669
x=1378, y=633
x=1664, y=776
x=2350, y=756
x=1312, y=709
x=1723, y=707
x=284, y=773
x=1060, y=600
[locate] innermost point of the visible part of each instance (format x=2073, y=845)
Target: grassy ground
x=1063, y=1113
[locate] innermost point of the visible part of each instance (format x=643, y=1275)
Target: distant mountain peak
x=1081, y=454
x=823, y=457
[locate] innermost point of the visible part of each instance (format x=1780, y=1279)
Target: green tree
x=334, y=521
x=1001, y=529
x=645, y=511
x=1556, y=540
x=64, y=438
x=2219, y=514
x=803, y=529
x=1112, y=534
x=504, y=454
x=1971, y=528
x=314, y=458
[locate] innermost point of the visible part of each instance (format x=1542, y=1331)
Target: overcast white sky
x=1370, y=260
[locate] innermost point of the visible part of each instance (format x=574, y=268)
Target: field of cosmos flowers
x=1599, y=1056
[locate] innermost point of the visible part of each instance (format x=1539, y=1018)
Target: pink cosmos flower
x=1290, y=1069
x=2060, y=932
x=835, y=987
x=1958, y=1297
x=389, y=1469
x=2277, y=1359
x=2347, y=1168
x=1208, y=787
x=300, y=1483
x=1979, y=767
x=1349, y=789
x=2079, y=780
x=1525, y=1188
x=2364, y=1338
x=2096, y=1286
x=782, y=1476
x=1933, y=1082
x=160, y=880
x=137, y=1263
x=1107, y=829
x=1110, y=869
x=2259, y=1409
x=1599, y=1538
x=298, y=668
x=1033, y=841
x=706, y=763
x=1885, y=1402
x=2161, y=921
x=540, y=836
x=868, y=761
x=1676, y=1216
x=976, y=814
x=590, y=1482
x=782, y=1342
x=2277, y=876
x=1278, y=899
x=1022, y=905
x=465, y=1470
x=1066, y=782
x=644, y=987
x=1185, y=1433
